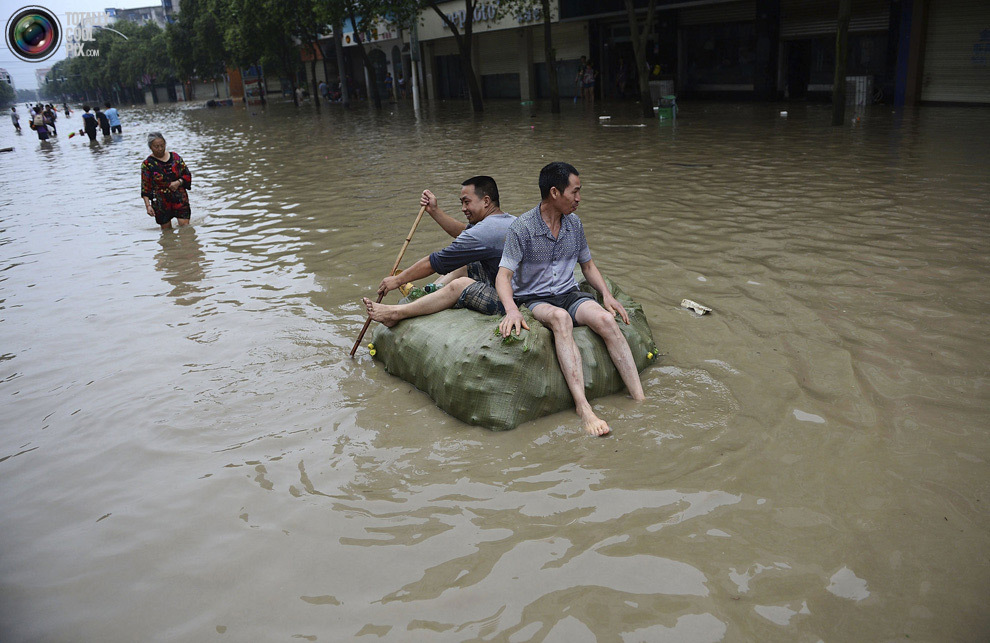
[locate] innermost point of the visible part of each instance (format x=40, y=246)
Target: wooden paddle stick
x=393, y=271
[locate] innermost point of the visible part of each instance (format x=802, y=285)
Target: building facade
x=900, y=51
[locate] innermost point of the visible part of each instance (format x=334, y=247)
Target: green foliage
x=120, y=64
x=7, y=94
x=195, y=41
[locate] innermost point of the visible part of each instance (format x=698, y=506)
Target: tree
x=259, y=31
x=195, y=41
x=841, y=54
x=338, y=49
x=517, y=7
x=639, y=39
x=123, y=64
x=359, y=26
x=464, y=44
x=7, y=94
x=311, y=18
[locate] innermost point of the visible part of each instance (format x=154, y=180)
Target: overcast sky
x=22, y=72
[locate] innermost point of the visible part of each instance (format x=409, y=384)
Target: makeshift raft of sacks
x=459, y=358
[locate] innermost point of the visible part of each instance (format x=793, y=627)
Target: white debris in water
x=845, y=584
x=761, y=501
x=754, y=283
x=808, y=417
x=718, y=533
x=690, y=304
x=702, y=279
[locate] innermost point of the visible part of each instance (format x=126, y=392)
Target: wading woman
x=165, y=180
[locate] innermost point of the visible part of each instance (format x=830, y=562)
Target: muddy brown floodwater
x=188, y=454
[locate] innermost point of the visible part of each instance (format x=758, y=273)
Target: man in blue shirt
x=537, y=271
x=470, y=262
x=113, y=117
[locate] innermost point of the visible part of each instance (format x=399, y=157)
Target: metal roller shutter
x=730, y=12
x=957, y=52
x=570, y=39
x=806, y=18
x=498, y=52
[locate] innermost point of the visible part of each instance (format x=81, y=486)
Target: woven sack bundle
x=458, y=358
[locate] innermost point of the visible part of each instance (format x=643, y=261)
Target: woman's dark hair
x=484, y=186
x=86, y=108
x=555, y=175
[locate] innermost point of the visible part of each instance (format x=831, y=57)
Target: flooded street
x=188, y=454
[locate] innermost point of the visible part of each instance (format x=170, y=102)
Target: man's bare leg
x=451, y=276
x=560, y=324
x=445, y=298
x=592, y=315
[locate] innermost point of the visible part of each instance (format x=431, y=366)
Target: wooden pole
x=841, y=54
x=395, y=267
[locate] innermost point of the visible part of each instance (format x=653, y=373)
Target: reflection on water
x=810, y=462
x=181, y=261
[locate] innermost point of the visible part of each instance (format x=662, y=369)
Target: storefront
x=507, y=52
x=807, y=48
x=383, y=44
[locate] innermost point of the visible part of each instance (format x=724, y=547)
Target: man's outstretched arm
x=418, y=270
x=450, y=225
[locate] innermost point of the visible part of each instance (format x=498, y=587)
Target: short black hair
x=484, y=186
x=555, y=175
x=107, y=104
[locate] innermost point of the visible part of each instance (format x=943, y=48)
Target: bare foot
x=593, y=425
x=381, y=312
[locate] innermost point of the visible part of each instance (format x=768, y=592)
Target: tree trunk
x=474, y=89
x=338, y=50
x=841, y=55
x=464, y=47
x=639, y=49
x=551, y=60
x=466, y=43
x=317, y=99
x=372, y=76
x=290, y=71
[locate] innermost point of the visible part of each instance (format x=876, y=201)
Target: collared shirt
x=480, y=242
x=540, y=264
x=113, y=117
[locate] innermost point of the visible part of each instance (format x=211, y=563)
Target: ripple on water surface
x=187, y=451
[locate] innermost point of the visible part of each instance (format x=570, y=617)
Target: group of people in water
x=499, y=262
x=42, y=120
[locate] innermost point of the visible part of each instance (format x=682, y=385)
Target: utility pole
x=841, y=55
x=414, y=59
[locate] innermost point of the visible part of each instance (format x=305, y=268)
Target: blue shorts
x=569, y=301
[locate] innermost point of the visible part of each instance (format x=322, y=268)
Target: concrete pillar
x=527, y=78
